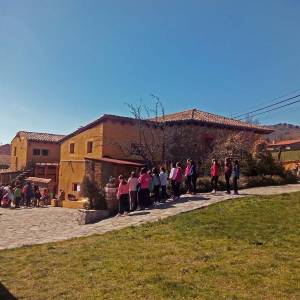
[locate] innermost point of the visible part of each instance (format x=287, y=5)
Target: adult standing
x=156, y=185
x=227, y=173
x=193, y=177
x=236, y=176
x=133, y=186
x=144, y=182
x=214, y=172
x=123, y=196
x=178, y=179
x=28, y=194
x=17, y=196
x=172, y=178
x=163, y=177
x=188, y=175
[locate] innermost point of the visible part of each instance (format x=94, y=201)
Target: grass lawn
x=242, y=249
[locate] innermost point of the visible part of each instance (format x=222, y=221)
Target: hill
x=5, y=149
x=283, y=131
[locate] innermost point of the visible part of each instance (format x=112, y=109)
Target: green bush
x=91, y=190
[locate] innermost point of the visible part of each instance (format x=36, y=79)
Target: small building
x=286, y=145
x=33, y=154
x=111, y=145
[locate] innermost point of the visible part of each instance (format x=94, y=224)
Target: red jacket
x=214, y=170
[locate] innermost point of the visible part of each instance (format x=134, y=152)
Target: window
x=36, y=152
x=72, y=148
x=89, y=148
x=76, y=187
x=15, y=151
x=45, y=152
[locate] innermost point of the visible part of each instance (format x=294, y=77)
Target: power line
x=268, y=106
x=237, y=115
x=275, y=108
x=284, y=111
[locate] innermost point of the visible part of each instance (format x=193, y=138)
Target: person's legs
x=121, y=205
x=235, y=185
x=126, y=203
x=216, y=182
x=194, y=184
x=173, y=188
x=18, y=199
x=177, y=189
x=188, y=184
x=227, y=179
x=133, y=197
x=212, y=183
x=163, y=193
x=28, y=199
x=156, y=194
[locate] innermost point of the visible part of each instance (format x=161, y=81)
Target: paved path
x=21, y=227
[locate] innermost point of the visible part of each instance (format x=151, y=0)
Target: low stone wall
x=73, y=204
x=91, y=216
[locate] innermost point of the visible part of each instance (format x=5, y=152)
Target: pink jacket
x=145, y=180
x=178, y=175
x=123, y=189
x=188, y=170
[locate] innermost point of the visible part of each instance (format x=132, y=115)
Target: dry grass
x=241, y=249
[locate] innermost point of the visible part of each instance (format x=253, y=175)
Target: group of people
x=26, y=196
x=150, y=187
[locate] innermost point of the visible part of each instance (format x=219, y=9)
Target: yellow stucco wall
x=71, y=172
x=80, y=140
x=18, y=147
x=72, y=165
x=118, y=137
x=53, y=152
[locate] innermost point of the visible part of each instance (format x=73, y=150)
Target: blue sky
x=64, y=63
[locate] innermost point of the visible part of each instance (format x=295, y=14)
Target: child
x=236, y=176
x=37, y=196
x=17, y=196
x=177, y=181
x=163, y=177
x=5, y=200
x=123, y=196
x=188, y=175
x=133, y=186
x=156, y=185
x=214, y=172
x=227, y=173
x=171, y=177
x=193, y=177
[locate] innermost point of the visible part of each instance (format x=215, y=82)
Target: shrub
x=290, y=177
x=91, y=190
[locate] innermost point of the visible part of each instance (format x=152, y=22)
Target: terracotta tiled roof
x=211, y=119
x=195, y=115
x=286, y=142
x=40, y=136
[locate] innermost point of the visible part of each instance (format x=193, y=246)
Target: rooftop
x=285, y=142
x=192, y=115
x=40, y=136
x=211, y=119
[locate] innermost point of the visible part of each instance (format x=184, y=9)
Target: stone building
x=113, y=145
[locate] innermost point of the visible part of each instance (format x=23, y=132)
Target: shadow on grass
x=5, y=294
